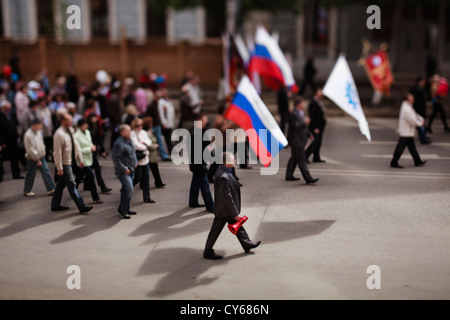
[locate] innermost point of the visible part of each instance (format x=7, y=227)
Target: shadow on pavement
x=272, y=232
x=184, y=267
x=163, y=229
x=34, y=221
x=90, y=224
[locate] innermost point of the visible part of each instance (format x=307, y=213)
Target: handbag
x=140, y=154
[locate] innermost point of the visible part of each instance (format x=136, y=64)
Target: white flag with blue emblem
x=341, y=89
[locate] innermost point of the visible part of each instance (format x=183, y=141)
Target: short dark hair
x=81, y=122
x=297, y=100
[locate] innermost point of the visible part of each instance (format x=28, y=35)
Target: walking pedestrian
x=297, y=137
x=141, y=143
x=316, y=126
x=83, y=137
x=227, y=207
x=65, y=151
x=408, y=121
x=35, y=155
x=125, y=163
x=199, y=182
x=153, y=149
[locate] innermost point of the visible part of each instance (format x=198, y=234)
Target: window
x=99, y=18
x=45, y=17
x=156, y=18
x=215, y=18
x=316, y=23
x=1, y=20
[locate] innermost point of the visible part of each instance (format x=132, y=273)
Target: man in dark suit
x=316, y=126
x=197, y=166
x=8, y=131
x=297, y=137
x=227, y=207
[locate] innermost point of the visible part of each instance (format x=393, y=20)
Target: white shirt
x=408, y=120
x=141, y=142
x=166, y=113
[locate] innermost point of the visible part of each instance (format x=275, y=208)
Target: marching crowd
x=66, y=124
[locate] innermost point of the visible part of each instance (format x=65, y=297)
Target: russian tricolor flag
x=270, y=62
x=250, y=113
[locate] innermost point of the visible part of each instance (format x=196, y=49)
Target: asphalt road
x=317, y=241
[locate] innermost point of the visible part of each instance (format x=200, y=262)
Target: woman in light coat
x=141, y=143
x=83, y=137
x=153, y=149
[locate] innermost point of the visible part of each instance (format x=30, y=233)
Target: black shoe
x=245, y=167
x=160, y=186
x=420, y=163
x=60, y=208
x=19, y=178
x=131, y=213
x=312, y=181
x=292, y=179
x=396, y=165
x=149, y=201
x=197, y=206
x=167, y=160
x=125, y=215
x=319, y=161
x=211, y=255
x=106, y=190
x=447, y=130
x=429, y=130
x=426, y=142
x=253, y=246
x=85, y=209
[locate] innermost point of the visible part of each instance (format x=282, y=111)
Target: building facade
x=124, y=36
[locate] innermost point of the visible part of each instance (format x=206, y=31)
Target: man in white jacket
x=35, y=154
x=408, y=121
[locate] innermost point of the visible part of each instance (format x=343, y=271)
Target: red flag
x=378, y=70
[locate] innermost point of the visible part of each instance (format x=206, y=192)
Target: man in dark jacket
x=316, y=126
x=297, y=137
x=125, y=162
x=227, y=195
x=420, y=106
x=197, y=166
x=8, y=131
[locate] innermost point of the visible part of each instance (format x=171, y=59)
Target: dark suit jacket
x=298, y=131
x=317, y=116
x=199, y=168
x=227, y=194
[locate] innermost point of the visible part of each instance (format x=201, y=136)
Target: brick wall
x=125, y=59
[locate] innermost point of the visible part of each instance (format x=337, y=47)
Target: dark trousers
x=126, y=192
x=438, y=108
x=298, y=158
x=216, y=229
x=404, y=142
x=67, y=180
x=88, y=173
x=167, y=133
x=142, y=176
x=48, y=141
x=283, y=120
x=305, y=83
x=155, y=173
x=13, y=152
x=422, y=133
x=199, y=184
x=314, y=147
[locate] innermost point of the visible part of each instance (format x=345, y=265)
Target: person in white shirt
x=167, y=114
x=35, y=154
x=408, y=121
x=141, y=142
